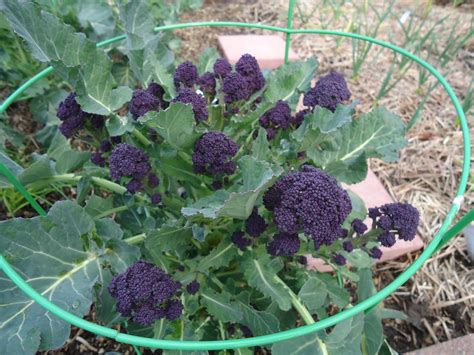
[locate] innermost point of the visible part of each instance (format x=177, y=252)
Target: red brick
x=268, y=49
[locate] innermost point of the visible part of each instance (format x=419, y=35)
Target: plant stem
x=139, y=135
x=111, y=211
x=135, y=239
x=300, y=308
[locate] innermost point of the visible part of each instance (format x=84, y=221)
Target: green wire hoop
x=439, y=239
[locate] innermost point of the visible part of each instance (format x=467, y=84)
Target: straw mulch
x=439, y=299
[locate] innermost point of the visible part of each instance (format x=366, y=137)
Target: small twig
x=86, y=344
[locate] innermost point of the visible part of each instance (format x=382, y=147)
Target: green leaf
x=118, y=125
x=161, y=329
x=377, y=134
x=76, y=59
x=220, y=256
x=175, y=125
x=207, y=58
x=359, y=258
x=388, y=313
x=327, y=121
x=220, y=306
x=169, y=237
x=71, y=160
x=260, y=147
x=39, y=170
x=309, y=344
x=97, y=14
x=358, y=209
x=238, y=201
x=290, y=80
x=14, y=168
x=96, y=205
x=261, y=275
x=104, y=302
x=346, y=337
x=180, y=169
x=137, y=23
x=48, y=252
x=313, y=294
x=373, y=329
x=259, y=322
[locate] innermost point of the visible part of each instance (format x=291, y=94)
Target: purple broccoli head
x=255, y=225
x=309, y=200
x=105, y=146
x=193, y=287
x=97, y=159
x=278, y=117
x=359, y=226
x=207, y=83
x=239, y=239
x=234, y=88
x=339, y=259
x=156, y=199
x=329, y=91
x=134, y=186
x=72, y=117
x=185, y=75
x=284, y=244
x=398, y=218
x=248, y=67
x=153, y=180
x=298, y=119
x=145, y=293
x=143, y=102
x=222, y=68
x=375, y=253
x=213, y=153
x=348, y=246
x=187, y=96
x=128, y=161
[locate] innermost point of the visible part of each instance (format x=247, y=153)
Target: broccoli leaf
x=346, y=337
x=238, y=201
x=207, y=59
x=260, y=273
x=290, y=80
x=313, y=294
x=98, y=14
x=260, y=148
x=220, y=306
x=14, y=168
x=259, y=322
x=51, y=255
x=220, y=256
x=309, y=344
x=377, y=134
x=169, y=237
x=175, y=125
x=76, y=59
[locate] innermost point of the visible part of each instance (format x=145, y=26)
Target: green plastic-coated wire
x=288, y=334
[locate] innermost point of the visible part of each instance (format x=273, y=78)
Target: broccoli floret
x=185, y=75
x=359, y=226
x=72, y=117
x=248, y=67
x=222, y=68
x=97, y=159
x=105, y=146
x=255, y=225
x=278, y=117
x=239, y=239
x=156, y=199
x=133, y=186
x=128, y=161
x=375, y=253
x=329, y=91
x=153, y=180
x=401, y=219
x=298, y=119
x=284, y=244
x=348, y=246
x=234, y=88
x=309, y=200
x=387, y=239
x=339, y=259
x=145, y=293
x=193, y=287
x=213, y=153
x=187, y=96
x=207, y=83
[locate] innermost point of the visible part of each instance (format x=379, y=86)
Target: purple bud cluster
x=145, y=293
x=244, y=82
x=198, y=102
x=207, y=83
x=395, y=220
x=150, y=99
x=284, y=244
x=74, y=119
x=311, y=201
x=193, y=287
x=240, y=240
x=255, y=225
x=186, y=75
x=213, y=153
x=278, y=117
x=127, y=161
x=329, y=91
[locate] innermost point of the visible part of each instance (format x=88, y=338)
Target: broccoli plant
x=198, y=198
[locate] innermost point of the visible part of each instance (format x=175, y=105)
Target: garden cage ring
x=443, y=235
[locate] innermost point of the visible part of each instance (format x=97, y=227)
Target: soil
x=439, y=299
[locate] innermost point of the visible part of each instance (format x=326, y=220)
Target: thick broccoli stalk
x=145, y=293
x=310, y=201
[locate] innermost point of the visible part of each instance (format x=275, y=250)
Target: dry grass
x=440, y=297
